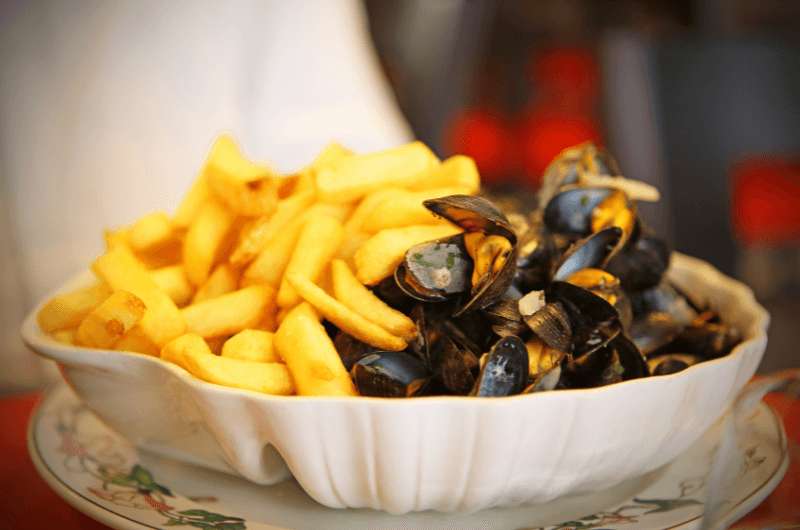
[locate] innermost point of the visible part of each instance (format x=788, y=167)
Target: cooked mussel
x=608, y=287
x=435, y=271
x=707, y=340
x=473, y=214
x=544, y=366
x=552, y=325
x=390, y=374
x=505, y=318
x=641, y=265
x=351, y=350
x=671, y=363
x=573, y=166
x=594, y=322
x=617, y=361
x=505, y=371
x=661, y=314
x=457, y=367
x=535, y=254
x=570, y=211
x=591, y=252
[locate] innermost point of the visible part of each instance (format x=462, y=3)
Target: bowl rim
x=46, y=346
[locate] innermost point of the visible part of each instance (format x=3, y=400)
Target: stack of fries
x=234, y=286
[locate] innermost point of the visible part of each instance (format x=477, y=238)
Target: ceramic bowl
x=441, y=453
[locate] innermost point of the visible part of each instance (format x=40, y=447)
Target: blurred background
x=698, y=97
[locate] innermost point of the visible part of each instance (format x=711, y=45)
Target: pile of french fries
x=234, y=286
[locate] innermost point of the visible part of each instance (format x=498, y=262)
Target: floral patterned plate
x=104, y=476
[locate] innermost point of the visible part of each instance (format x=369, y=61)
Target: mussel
x=594, y=322
x=544, y=366
x=617, y=361
x=435, y=271
x=535, y=256
x=642, y=264
x=575, y=165
x=390, y=374
x=505, y=371
x=670, y=363
x=591, y=252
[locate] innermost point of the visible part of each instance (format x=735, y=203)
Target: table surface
x=26, y=502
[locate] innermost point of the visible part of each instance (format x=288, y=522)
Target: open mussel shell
x=594, y=322
x=505, y=318
x=505, y=371
x=706, y=340
x=573, y=165
x=608, y=287
x=390, y=374
x=641, y=265
x=552, y=325
x=661, y=314
x=535, y=253
x=618, y=361
x=435, y=271
x=671, y=363
x=570, y=211
x=490, y=282
x=544, y=366
x=591, y=252
x=457, y=367
x=473, y=214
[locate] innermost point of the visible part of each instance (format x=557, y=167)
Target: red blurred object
x=486, y=136
x=566, y=77
x=766, y=195
x=544, y=134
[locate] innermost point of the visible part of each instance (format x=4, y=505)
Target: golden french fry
x=251, y=345
x=162, y=321
x=116, y=238
x=459, y=171
x=109, y=321
x=227, y=159
x=382, y=253
x=251, y=199
x=355, y=176
x=345, y=318
x=269, y=265
x=175, y=351
x=350, y=292
x=266, y=228
x=268, y=378
x=229, y=313
x=205, y=238
x=399, y=211
x=316, y=245
x=64, y=336
x=67, y=310
x=173, y=281
x=152, y=231
x=165, y=256
x=223, y=280
x=192, y=203
x=136, y=341
x=351, y=242
x=331, y=154
x=310, y=356
x=367, y=206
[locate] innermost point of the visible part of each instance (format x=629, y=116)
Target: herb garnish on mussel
x=573, y=295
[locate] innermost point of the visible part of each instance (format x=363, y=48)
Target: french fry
x=459, y=171
x=250, y=199
x=67, y=310
x=400, y=211
x=205, y=238
x=331, y=154
x=215, y=344
x=343, y=317
x=251, y=345
x=353, y=177
x=64, y=336
x=270, y=264
x=351, y=242
x=317, y=244
x=121, y=271
x=175, y=351
x=229, y=313
x=266, y=228
x=223, y=280
x=152, y=231
x=310, y=356
x=109, y=321
x=173, y=281
x=116, y=238
x=227, y=159
x=382, y=253
x=367, y=206
x=267, y=378
x=136, y=341
x=350, y=292
x=165, y=256
x=192, y=203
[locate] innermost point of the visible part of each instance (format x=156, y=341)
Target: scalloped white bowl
x=441, y=453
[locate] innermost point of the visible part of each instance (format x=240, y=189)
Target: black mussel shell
x=388, y=291
x=641, y=265
x=420, y=345
x=535, y=254
x=492, y=288
x=390, y=374
x=593, y=320
x=505, y=318
x=467, y=333
x=671, y=363
x=591, y=252
x=570, y=211
x=707, y=340
x=351, y=350
x=457, y=367
x=435, y=271
x=552, y=325
x=473, y=214
x=544, y=366
x=664, y=298
x=573, y=165
x=506, y=369
x=654, y=330
x=607, y=287
x=631, y=359
x=619, y=360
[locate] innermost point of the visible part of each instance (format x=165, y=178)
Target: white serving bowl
x=441, y=453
